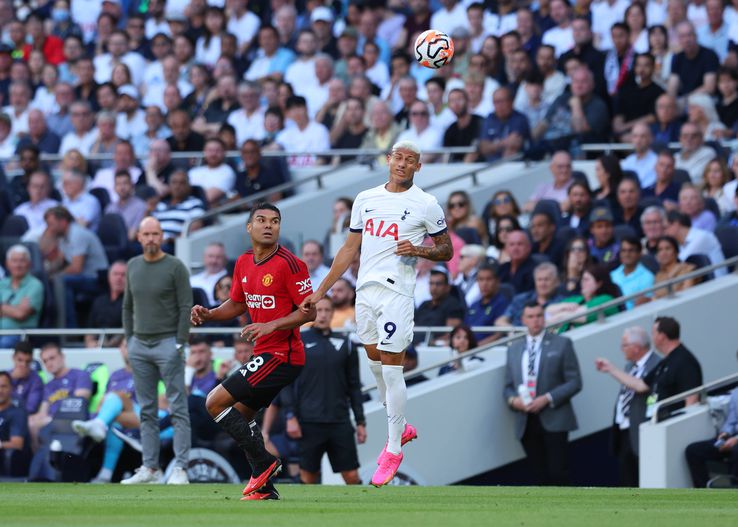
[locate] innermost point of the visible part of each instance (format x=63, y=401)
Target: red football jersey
x=272, y=289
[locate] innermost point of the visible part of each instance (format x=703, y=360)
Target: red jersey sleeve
x=298, y=283
x=239, y=272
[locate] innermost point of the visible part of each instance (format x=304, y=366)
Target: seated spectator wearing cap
x=305, y=136
x=21, y=295
x=546, y=291
x=178, y=208
x=443, y=308
x=518, y=272
x=489, y=307
x=694, y=154
x=664, y=188
x=39, y=192
x=643, y=160
x=579, y=197
x=597, y=289
x=505, y=132
x=39, y=134
x=271, y=59
x=543, y=233
x=28, y=388
x=653, y=224
x=561, y=170
x=603, y=246
x=83, y=206
x=667, y=255
x=216, y=176
x=693, y=70
x=631, y=276
x=628, y=211
x=131, y=119
x=107, y=308
x=692, y=204
x=693, y=240
x=635, y=102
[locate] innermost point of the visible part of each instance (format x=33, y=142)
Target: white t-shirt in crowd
x=314, y=138
x=82, y=143
x=561, y=39
x=429, y=139
x=644, y=167
x=383, y=218
x=206, y=282
x=247, y=127
x=221, y=177
x=245, y=28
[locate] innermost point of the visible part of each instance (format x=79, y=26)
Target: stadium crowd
x=97, y=97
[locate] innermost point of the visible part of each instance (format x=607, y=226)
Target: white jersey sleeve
x=435, y=219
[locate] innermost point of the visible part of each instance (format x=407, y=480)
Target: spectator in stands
x=653, y=223
x=200, y=360
x=216, y=177
x=503, y=203
x=312, y=254
x=723, y=447
x=518, y=272
x=178, y=208
x=441, y=116
x=560, y=36
x=220, y=108
x=82, y=257
x=529, y=101
x=546, y=367
x=630, y=407
x=13, y=432
x=17, y=110
x=490, y=306
x=664, y=187
x=543, y=233
x=693, y=240
x=628, y=211
x=28, y=388
x=129, y=206
x=30, y=162
x=727, y=106
x=632, y=276
x=546, y=291
x=421, y=132
x=443, y=308
x=505, y=132
x=575, y=261
x=619, y=59
x=343, y=297
x=609, y=175
x=39, y=134
x=643, y=160
x=118, y=52
x=667, y=253
x=460, y=215
x=21, y=295
x=471, y=257
x=383, y=130
x=305, y=136
x=82, y=205
x=579, y=197
x=106, y=138
x=158, y=168
x=635, y=102
x=554, y=81
x=130, y=121
x=39, y=191
x=714, y=179
x=668, y=125
x=59, y=119
x=701, y=112
x=106, y=308
x=271, y=59
x=156, y=129
x=349, y=131
x=124, y=160
x=561, y=170
x=596, y=288
x=183, y=138
x=301, y=72
x=693, y=70
x=678, y=372
x=214, y=262
x=603, y=246
x=692, y=204
x=461, y=340
x=714, y=34
x=64, y=383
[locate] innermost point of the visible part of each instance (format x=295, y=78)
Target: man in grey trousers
x=156, y=319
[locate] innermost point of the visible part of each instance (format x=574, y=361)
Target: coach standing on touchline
x=156, y=319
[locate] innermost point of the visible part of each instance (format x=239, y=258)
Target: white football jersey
x=383, y=218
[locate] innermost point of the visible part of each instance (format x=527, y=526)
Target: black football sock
x=248, y=438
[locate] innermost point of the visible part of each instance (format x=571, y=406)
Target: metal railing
x=702, y=391
x=627, y=147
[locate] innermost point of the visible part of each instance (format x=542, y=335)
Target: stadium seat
x=144, y=192
x=631, y=174
x=565, y=233
x=507, y=290
x=681, y=177
x=14, y=226
x=114, y=236
x=727, y=235
x=578, y=175
x=550, y=207
x=37, y=261
x=469, y=234
x=102, y=197
x=622, y=231
x=650, y=263
x=650, y=201
x=700, y=261
x=199, y=297
x=199, y=192
x=712, y=206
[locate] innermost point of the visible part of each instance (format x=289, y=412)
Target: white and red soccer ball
x=434, y=49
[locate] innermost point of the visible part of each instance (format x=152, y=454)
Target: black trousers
x=699, y=453
x=627, y=460
x=547, y=453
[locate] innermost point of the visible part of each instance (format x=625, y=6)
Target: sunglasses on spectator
x=457, y=205
x=419, y=114
x=503, y=200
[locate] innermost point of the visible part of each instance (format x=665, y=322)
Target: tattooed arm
x=442, y=250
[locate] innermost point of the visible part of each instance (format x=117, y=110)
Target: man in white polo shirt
x=305, y=136
x=216, y=177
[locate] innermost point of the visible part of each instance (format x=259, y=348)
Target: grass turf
x=61, y=505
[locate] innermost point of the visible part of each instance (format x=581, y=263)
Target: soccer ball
x=434, y=49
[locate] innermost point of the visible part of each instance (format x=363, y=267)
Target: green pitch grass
x=83, y=505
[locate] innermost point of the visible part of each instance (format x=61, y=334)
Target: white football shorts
x=385, y=318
